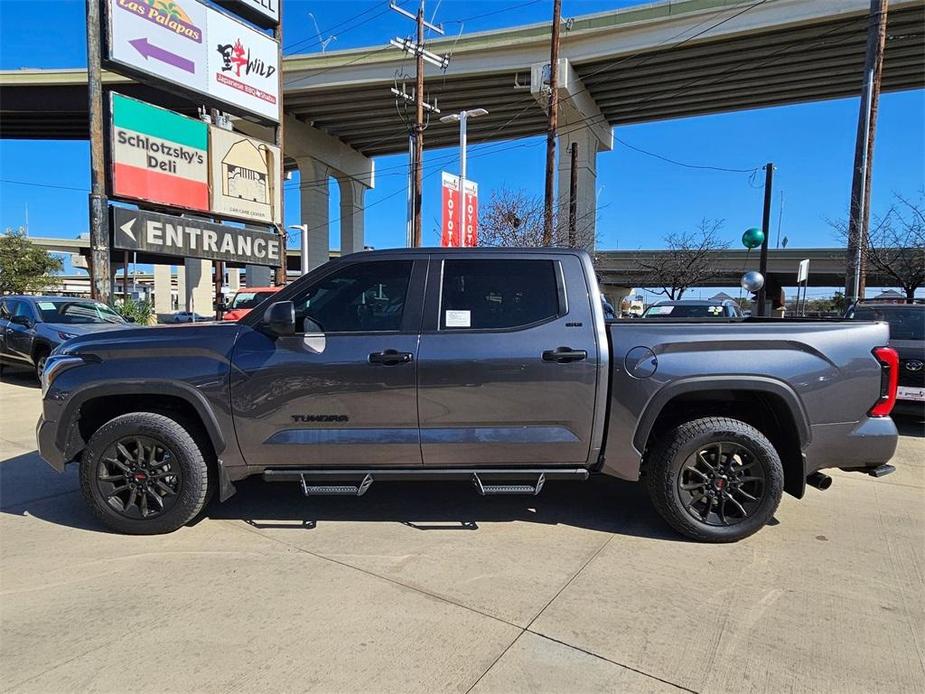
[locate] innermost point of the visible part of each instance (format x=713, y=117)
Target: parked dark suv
x=32, y=326
x=907, y=337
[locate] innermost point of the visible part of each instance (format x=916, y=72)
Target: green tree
x=24, y=267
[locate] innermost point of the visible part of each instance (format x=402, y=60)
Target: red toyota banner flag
x=449, y=236
x=459, y=230
x=470, y=232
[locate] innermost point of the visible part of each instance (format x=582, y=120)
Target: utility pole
x=765, y=227
x=100, y=272
x=280, y=279
x=553, y=126
x=420, y=106
x=573, y=198
x=859, y=216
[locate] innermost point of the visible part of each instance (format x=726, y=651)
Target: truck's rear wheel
x=715, y=479
x=143, y=474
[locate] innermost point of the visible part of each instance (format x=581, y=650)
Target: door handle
x=390, y=357
x=564, y=355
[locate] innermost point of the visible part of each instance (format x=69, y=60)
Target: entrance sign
x=162, y=234
x=197, y=48
x=451, y=235
x=243, y=66
x=262, y=12
x=158, y=155
x=245, y=177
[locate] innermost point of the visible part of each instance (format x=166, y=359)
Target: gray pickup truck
x=492, y=366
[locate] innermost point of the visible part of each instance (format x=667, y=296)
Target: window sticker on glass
x=715, y=310
x=458, y=319
x=660, y=310
x=46, y=306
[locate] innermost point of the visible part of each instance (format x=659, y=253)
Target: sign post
x=100, y=275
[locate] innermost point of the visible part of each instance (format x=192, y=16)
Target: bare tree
x=514, y=218
x=896, y=246
x=689, y=260
x=896, y=243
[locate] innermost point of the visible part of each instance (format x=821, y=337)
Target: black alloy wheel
x=721, y=484
x=139, y=477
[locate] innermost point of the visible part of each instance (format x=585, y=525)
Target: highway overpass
x=637, y=64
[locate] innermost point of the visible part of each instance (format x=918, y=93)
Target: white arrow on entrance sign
x=127, y=228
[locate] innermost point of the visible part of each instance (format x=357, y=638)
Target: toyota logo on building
x=914, y=365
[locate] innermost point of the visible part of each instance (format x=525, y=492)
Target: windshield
x=685, y=311
x=248, y=299
x=906, y=322
x=74, y=312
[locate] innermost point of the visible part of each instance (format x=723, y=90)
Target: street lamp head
x=450, y=118
x=476, y=112
x=456, y=117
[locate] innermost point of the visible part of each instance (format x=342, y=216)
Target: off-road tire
x=194, y=488
x=667, y=457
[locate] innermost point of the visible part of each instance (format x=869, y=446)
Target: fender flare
x=142, y=387
x=694, y=384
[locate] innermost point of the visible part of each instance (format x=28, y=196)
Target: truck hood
x=179, y=339
x=84, y=328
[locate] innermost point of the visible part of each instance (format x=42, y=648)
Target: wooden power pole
x=100, y=271
x=859, y=216
x=281, y=271
x=553, y=125
x=573, y=199
x=766, y=228
x=420, y=106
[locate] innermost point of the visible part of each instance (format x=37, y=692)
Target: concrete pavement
x=429, y=587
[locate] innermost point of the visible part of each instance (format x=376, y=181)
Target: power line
x=681, y=163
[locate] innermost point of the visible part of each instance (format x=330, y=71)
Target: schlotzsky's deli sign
x=162, y=234
x=159, y=156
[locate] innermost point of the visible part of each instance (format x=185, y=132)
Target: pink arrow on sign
x=149, y=50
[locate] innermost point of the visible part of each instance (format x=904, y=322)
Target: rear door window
x=498, y=294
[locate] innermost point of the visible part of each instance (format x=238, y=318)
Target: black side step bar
x=488, y=481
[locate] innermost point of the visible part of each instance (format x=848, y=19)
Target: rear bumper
x=852, y=446
x=45, y=433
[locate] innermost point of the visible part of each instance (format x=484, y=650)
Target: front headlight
x=55, y=365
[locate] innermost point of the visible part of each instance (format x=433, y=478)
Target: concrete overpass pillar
x=581, y=121
x=352, y=200
x=315, y=195
x=163, y=289
x=234, y=279
x=198, y=286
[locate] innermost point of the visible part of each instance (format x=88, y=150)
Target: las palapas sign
x=163, y=234
x=158, y=155
x=245, y=177
x=199, y=49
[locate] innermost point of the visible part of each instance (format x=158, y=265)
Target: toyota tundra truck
x=491, y=366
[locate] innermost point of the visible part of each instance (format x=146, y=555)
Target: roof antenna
x=324, y=42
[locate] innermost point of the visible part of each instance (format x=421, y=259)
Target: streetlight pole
x=463, y=118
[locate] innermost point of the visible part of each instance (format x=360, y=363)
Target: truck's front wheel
x=143, y=474
x=715, y=479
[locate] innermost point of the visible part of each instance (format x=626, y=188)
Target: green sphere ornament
x=752, y=238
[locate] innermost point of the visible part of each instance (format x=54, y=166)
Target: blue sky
x=641, y=198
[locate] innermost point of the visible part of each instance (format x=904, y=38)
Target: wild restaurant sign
x=163, y=234
x=198, y=49
x=158, y=156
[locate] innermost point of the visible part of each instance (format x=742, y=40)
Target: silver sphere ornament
x=752, y=281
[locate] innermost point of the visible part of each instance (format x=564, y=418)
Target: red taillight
x=889, y=378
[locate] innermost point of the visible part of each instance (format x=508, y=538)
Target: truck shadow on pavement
x=19, y=376
x=29, y=487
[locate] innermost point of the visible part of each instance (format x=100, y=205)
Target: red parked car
x=246, y=299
